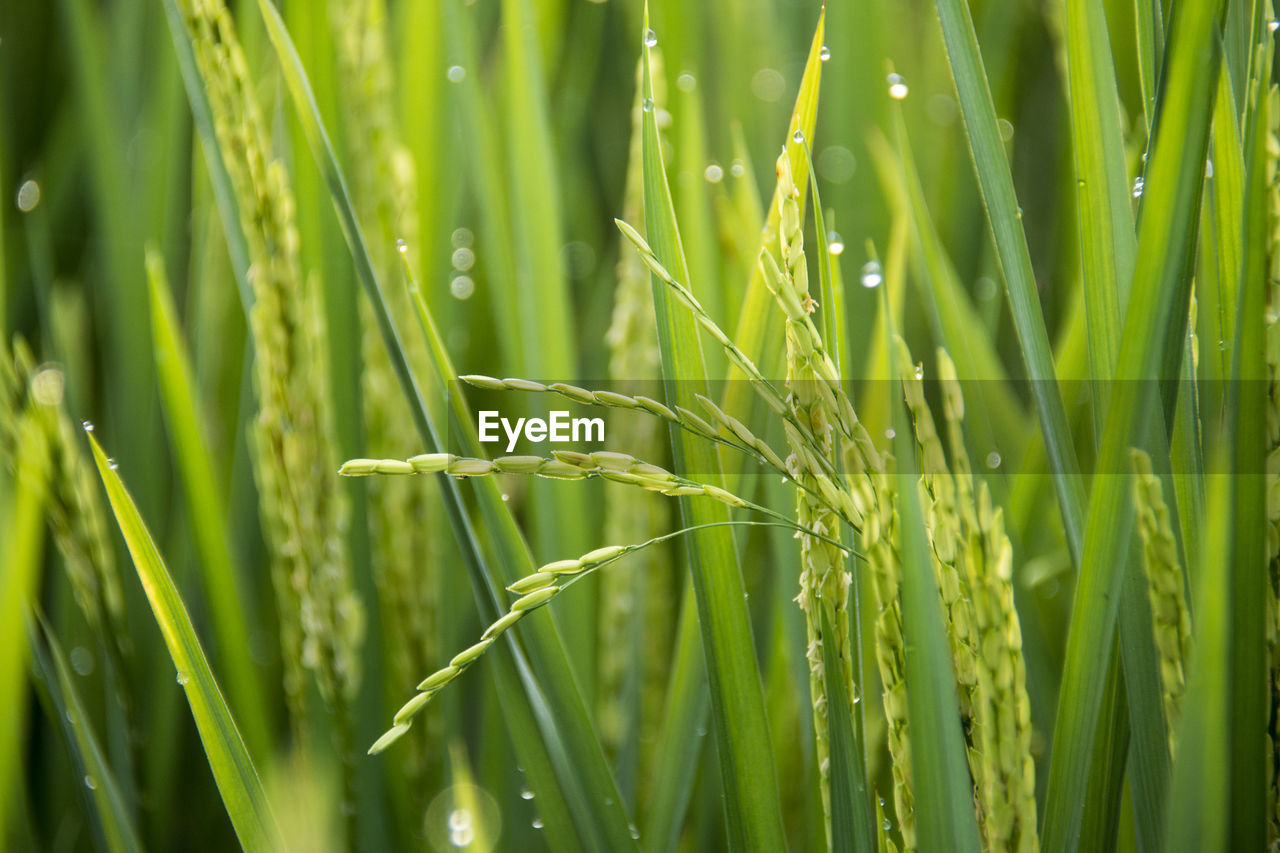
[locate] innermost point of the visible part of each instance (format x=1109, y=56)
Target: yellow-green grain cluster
x=75, y=513
x=1171, y=621
x=824, y=580
x=1000, y=740
x=304, y=518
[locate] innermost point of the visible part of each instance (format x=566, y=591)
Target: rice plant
x=618, y=425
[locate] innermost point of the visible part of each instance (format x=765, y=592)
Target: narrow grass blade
x=110, y=815
x=1005, y=218
x=852, y=826
x=1200, y=790
x=1107, y=240
x=1161, y=287
x=205, y=507
x=1246, y=425
x=233, y=769
x=753, y=818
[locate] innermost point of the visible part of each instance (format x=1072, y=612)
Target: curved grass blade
x=547, y=718
x=1005, y=218
x=205, y=508
x=754, y=821
x=1161, y=286
x=233, y=769
x=110, y=815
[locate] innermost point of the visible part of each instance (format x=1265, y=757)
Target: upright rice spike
x=304, y=519
x=1000, y=743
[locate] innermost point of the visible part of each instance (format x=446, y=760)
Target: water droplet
x=462, y=837
x=463, y=259
x=1273, y=25
x=1208, y=169
x=738, y=169
x=890, y=433
x=635, y=831
x=1138, y=185
x=650, y=38
x=537, y=823
x=459, y=819
x=798, y=137
x=1222, y=345
x=402, y=247
x=456, y=74
x=87, y=425
x=857, y=699
x=768, y=84
x=647, y=105
x=112, y=463
x=89, y=783
x=993, y=460
x=526, y=794
x=462, y=287
x=1006, y=129
x=872, y=275
x=836, y=163
x=824, y=53
x=835, y=243
x=461, y=238
x=985, y=289
x=1019, y=214
x=182, y=678
x=686, y=81
x=713, y=173
x=897, y=87
x=919, y=371
x=28, y=196
x=82, y=660
x=886, y=824
x=506, y=497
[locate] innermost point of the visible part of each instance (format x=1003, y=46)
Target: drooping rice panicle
x=304, y=521
x=403, y=538
x=1165, y=587
x=534, y=591
x=568, y=465
x=747, y=443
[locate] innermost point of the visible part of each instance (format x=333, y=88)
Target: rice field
x=522, y=424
